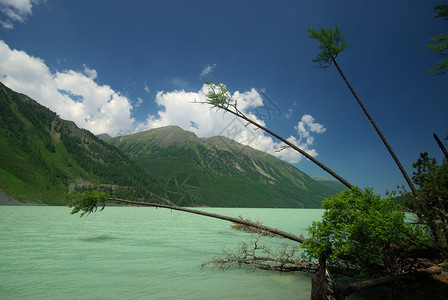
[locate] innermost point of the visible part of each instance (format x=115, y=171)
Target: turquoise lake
x=138, y=253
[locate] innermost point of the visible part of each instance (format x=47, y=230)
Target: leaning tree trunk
x=442, y=147
x=389, y=148
x=275, y=231
x=304, y=153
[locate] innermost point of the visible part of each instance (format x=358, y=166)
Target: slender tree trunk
x=321, y=165
x=287, y=235
x=389, y=148
x=319, y=289
x=440, y=145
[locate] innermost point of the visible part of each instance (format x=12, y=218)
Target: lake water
x=138, y=253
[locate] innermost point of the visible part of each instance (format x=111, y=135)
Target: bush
x=431, y=201
x=363, y=232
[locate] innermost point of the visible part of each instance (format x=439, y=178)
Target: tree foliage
x=431, y=203
x=440, y=42
x=364, y=232
x=218, y=95
x=331, y=41
x=87, y=202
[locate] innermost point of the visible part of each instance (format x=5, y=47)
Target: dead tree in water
x=254, y=255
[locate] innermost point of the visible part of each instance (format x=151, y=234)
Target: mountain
x=42, y=156
x=103, y=136
x=331, y=182
x=218, y=171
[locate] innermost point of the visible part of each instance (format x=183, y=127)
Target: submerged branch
x=251, y=229
x=258, y=256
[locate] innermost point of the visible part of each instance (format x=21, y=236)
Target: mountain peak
x=163, y=136
x=104, y=136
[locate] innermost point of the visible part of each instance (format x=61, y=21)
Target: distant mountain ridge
x=329, y=181
x=218, y=171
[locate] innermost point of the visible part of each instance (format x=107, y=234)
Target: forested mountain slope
x=41, y=156
x=220, y=172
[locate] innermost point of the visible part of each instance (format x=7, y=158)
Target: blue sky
x=126, y=66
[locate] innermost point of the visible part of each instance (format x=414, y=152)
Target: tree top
x=332, y=42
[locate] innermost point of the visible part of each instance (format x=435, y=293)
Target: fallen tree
x=89, y=202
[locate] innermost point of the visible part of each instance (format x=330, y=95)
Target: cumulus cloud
x=73, y=95
x=306, y=126
x=15, y=11
x=207, y=70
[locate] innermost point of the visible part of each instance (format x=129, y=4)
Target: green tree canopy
x=363, y=232
x=431, y=202
x=331, y=41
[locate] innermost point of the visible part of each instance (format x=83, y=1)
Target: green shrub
x=364, y=232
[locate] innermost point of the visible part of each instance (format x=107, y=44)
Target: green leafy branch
x=88, y=202
x=440, y=42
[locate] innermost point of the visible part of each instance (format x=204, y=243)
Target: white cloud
x=146, y=88
x=291, y=110
x=139, y=102
x=73, y=95
x=207, y=70
x=15, y=11
x=91, y=73
x=307, y=125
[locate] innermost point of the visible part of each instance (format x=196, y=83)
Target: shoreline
x=10, y=201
